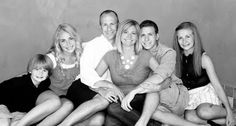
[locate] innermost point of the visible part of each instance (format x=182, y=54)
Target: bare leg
x=216, y=113
x=150, y=104
x=85, y=110
x=171, y=119
x=46, y=104
x=96, y=120
x=59, y=115
x=5, y=116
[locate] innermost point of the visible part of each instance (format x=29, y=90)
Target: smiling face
x=38, y=75
x=129, y=36
x=67, y=42
x=109, y=26
x=148, y=37
x=185, y=39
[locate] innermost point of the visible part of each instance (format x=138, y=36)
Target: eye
x=180, y=38
x=142, y=35
x=125, y=32
x=62, y=40
x=71, y=38
x=188, y=36
x=134, y=33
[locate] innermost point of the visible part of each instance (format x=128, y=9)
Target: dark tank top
x=189, y=78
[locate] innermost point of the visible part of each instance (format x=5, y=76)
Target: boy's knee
x=114, y=108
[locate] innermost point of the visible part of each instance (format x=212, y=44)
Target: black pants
x=116, y=116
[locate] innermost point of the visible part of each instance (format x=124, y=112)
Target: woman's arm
x=101, y=69
x=208, y=65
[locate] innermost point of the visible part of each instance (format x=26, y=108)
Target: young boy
x=26, y=99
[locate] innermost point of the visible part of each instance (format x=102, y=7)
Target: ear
x=157, y=36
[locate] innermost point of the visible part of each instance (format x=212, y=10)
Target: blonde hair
x=40, y=60
x=124, y=26
x=198, y=48
x=56, y=49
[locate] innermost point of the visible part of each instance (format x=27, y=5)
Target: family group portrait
x=117, y=63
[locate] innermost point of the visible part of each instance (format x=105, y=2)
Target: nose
x=108, y=27
x=146, y=38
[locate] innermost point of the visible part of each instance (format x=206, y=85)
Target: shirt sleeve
x=167, y=64
x=87, y=66
x=53, y=59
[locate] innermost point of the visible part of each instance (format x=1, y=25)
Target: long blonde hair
x=56, y=49
x=122, y=27
x=198, y=48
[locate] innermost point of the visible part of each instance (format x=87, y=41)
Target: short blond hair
x=122, y=27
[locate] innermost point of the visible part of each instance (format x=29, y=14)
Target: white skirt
x=205, y=94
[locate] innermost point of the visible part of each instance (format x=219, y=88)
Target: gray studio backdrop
x=27, y=26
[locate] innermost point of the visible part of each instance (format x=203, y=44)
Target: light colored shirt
x=166, y=57
x=93, y=52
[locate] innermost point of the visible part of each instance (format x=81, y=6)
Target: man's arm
x=162, y=74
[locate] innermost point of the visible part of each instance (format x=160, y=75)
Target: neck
x=188, y=52
x=67, y=54
x=154, y=47
x=128, y=51
x=112, y=41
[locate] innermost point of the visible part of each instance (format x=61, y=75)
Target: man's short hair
x=149, y=23
x=107, y=12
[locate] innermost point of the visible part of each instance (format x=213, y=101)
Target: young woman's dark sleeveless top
x=189, y=78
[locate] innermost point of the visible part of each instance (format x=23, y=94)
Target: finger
x=114, y=98
x=129, y=106
x=108, y=98
x=125, y=106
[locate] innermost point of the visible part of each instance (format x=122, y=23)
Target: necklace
x=128, y=61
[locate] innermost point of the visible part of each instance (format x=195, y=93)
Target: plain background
x=27, y=26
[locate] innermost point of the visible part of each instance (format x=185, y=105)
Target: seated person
x=129, y=66
x=208, y=102
x=26, y=99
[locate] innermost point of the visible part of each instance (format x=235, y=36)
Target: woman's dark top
x=189, y=78
x=20, y=94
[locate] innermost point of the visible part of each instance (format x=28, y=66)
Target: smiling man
x=86, y=101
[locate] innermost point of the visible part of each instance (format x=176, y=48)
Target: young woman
x=197, y=72
x=64, y=54
x=26, y=99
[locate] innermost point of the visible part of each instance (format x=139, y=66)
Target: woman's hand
x=230, y=119
x=125, y=103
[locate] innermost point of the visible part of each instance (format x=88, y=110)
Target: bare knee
x=67, y=105
x=207, y=111
x=97, y=119
x=190, y=115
